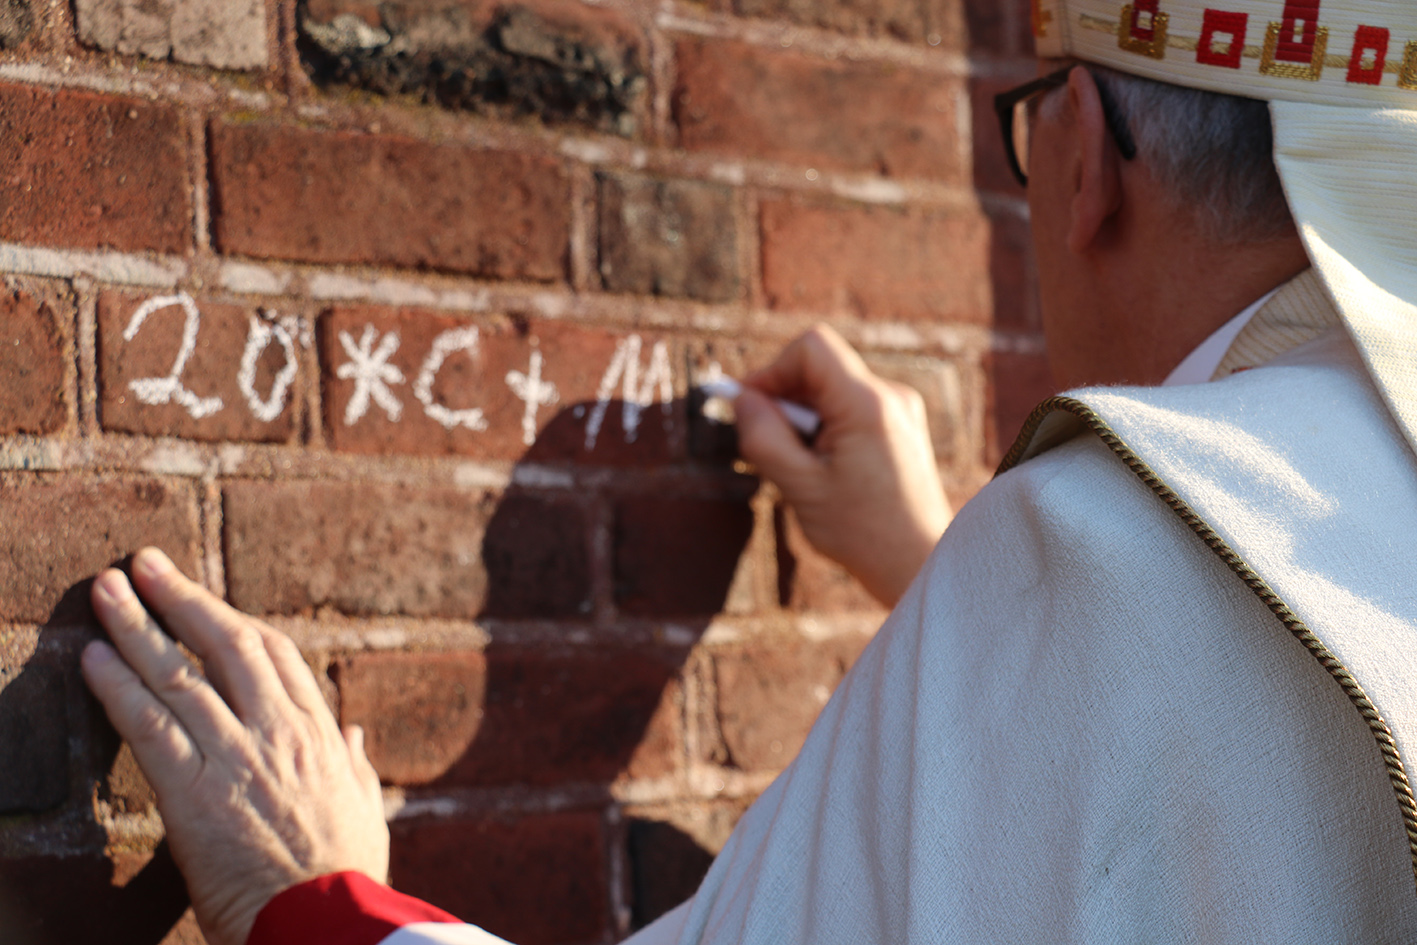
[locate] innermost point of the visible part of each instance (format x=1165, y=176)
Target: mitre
x=1341, y=77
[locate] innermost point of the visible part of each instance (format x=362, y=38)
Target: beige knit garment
x=1300, y=312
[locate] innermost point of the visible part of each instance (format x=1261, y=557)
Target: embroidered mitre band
x=1341, y=76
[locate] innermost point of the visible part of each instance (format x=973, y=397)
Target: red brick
x=818, y=113
x=34, y=725
x=677, y=557
x=34, y=353
x=990, y=25
x=1012, y=274
x=56, y=534
x=93, y=171
x=809, y=581
x=539, y=879
x=1018, y=382
x=667, y=865
x=332, y=197
x=577, y=361
x=361, y=548
x=515, y=715
x=127, y=899
x=213, y=404
x=420, y=712
x=769, y=697
x=875, y=263
x=671, y=238
x=935, y=21
x=537, y=555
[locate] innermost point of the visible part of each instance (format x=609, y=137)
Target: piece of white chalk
x=803, y=419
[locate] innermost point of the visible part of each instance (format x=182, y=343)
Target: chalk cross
x=371, y=372
x=535, y=392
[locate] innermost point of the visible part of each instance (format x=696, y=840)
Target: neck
x=1191, y=290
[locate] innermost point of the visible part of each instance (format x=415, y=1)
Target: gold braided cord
x=1377, y=726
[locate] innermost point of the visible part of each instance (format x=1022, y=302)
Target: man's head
x=1141, y=258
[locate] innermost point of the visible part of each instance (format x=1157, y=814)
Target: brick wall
x=382, y=318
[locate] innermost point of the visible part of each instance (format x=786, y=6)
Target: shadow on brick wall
x=59, y=762
x=596, y=596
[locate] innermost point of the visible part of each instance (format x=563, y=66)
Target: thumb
x=768, y=441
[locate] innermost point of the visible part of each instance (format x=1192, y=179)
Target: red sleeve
x=339, y=909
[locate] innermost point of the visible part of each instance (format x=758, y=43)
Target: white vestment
x=1081, y=725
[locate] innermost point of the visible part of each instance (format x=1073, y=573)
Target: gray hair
x=1213, y=152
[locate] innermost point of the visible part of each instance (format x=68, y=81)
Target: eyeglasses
x=1015, y=108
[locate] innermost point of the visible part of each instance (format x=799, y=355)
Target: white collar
x=1201, y=364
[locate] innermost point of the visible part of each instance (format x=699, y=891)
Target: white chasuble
x=1083, y=725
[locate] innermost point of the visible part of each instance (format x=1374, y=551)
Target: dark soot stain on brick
x=518, y=65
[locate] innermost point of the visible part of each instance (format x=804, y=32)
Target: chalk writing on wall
x=288, y=332
x=638, y=380
x=167, y=390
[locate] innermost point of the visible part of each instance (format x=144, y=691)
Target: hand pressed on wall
x=257, y=786
x=867, y=492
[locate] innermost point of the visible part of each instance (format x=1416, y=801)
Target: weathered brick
x=543, y=59
x=361, y=548
x=539, y=879
x=34, y=726
x=56, y=534
x=34, y=350
x=333, y=197
x=242, y=380
x=876, y=263
x=223, y=34
x=677, y=557
x=128, y=899
x=808, y=580
x=672, y=238
x=820, y=113
x=770, y=695
x=514, y=715
x=16, y=22
x=1018, y=382
x=93, y=171
x=937, y=22
x=488, y=366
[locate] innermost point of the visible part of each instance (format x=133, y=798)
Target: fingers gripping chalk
x=804, y=420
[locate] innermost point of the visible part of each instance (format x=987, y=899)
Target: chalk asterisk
x=371, y=372
x=535, y=392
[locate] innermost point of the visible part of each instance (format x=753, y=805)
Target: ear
x=1097, y=189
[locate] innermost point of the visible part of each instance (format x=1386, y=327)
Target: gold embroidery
x=1407, y=79
x=1288, y=70
x=1156, y=48
x=1041, y=19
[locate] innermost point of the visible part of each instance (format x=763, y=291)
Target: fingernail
x=152, y=562
x=98, y=653
x=114, y=587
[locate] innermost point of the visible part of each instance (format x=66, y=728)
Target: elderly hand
x=258, y=788
x=868, y=493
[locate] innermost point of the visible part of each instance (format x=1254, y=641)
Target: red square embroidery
x=1220, y=24
x=1374, y=40
x=1298, y=32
